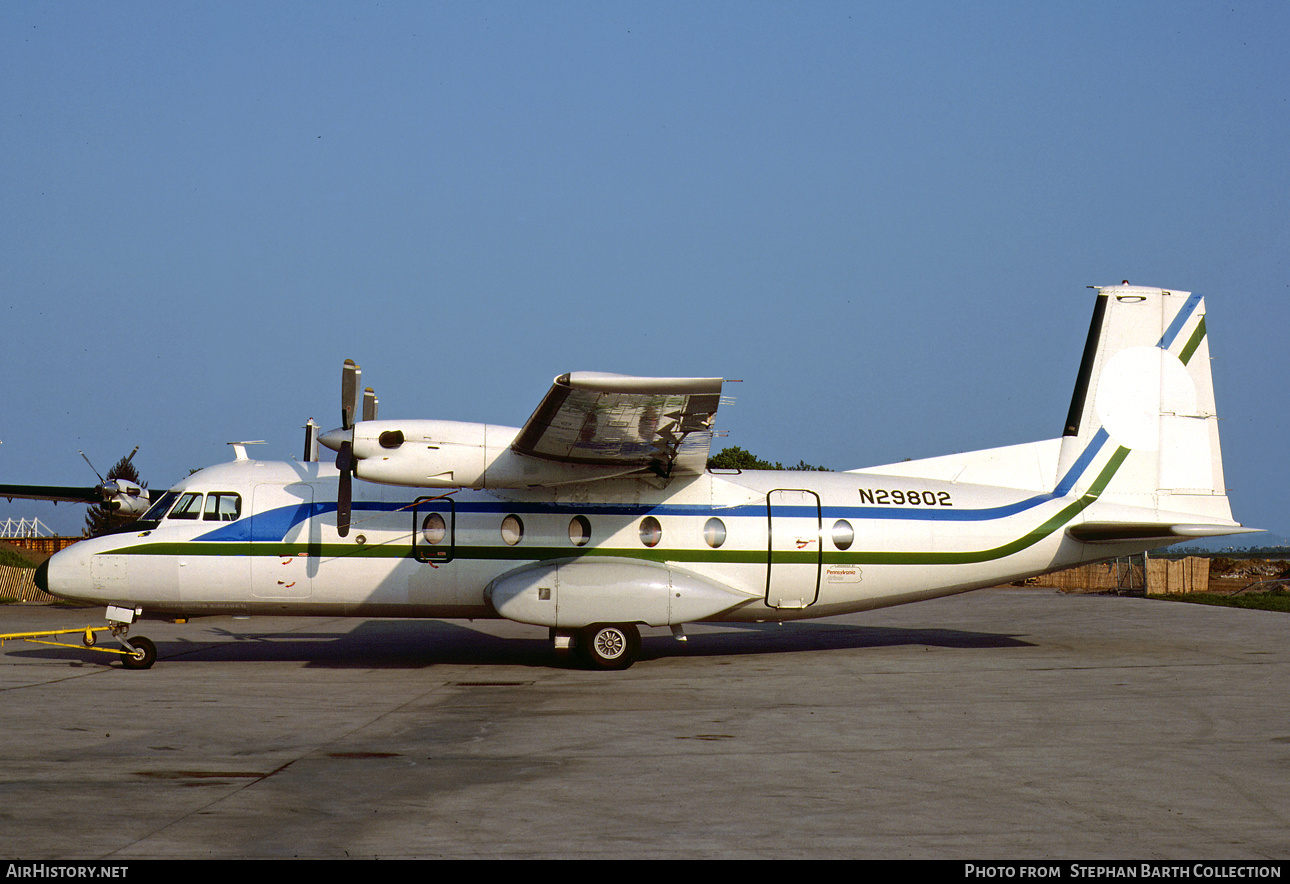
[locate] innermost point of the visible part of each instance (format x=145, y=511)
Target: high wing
x=590, y=426
x=663, y=425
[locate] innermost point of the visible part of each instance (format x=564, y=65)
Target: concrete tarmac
x=1002, y=724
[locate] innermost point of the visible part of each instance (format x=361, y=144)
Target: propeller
x=120, y=495
x=350, y=373
x=350, y=405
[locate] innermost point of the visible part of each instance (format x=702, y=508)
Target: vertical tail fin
x=1142, y=429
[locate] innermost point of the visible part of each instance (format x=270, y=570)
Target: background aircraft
x=120, y=496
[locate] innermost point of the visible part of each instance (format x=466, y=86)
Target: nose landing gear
x=138, y=653
x=141, y=655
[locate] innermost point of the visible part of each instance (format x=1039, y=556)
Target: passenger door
x=794, y=553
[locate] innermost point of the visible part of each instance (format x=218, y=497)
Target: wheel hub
x=610, y=643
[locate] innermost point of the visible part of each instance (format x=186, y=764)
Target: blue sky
x=881, y=217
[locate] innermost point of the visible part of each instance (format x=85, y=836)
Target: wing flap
x=660, y=425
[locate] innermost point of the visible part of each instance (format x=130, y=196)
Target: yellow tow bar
x=141, y=657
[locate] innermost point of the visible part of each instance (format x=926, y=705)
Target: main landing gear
x=603, y=646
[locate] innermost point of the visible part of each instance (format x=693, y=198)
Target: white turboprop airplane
x=598, y=515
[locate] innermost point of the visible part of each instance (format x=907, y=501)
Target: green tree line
x=735, y=458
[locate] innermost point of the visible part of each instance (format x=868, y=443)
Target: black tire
x=609, y=645
x=145, y=653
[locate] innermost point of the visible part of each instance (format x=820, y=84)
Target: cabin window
x=433, y=520
x=189, y=506
x=579, y=531
x=843, y=534
x=433, y=529
x=714, y=532
x=651, y=531
x=223, y=506
x=512, y=530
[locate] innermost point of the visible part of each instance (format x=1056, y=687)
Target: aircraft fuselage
x=785, y=545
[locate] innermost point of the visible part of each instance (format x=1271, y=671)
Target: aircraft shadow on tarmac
x=413, y=644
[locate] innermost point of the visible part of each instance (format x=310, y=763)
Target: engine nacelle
x=429, y=454
x=454, y=454
x=125, y=498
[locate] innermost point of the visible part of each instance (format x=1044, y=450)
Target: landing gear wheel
x=145, y=653
x=609, y=645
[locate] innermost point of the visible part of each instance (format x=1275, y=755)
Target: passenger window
x=579, y=531
x=189, y=506
x=714, y=532
x=651, y=531
x=512, y=530
x=434, y=529
x=843, y=534
x=223, y=506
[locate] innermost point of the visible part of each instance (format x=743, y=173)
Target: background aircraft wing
x=117, y=495
x=663, y=425
x=92, y=494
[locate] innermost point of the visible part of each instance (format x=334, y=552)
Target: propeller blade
x=349, y=377
x=96, y=472
x=369, y=404
x=344, y=463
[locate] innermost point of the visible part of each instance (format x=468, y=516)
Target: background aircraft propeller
x=120, y=495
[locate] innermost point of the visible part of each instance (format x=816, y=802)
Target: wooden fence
x=17, y=583
x=1190, y=574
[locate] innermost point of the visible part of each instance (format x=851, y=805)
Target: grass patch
x=1276, y=600
x=10, y=558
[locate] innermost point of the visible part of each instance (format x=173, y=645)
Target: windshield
x=158, y=509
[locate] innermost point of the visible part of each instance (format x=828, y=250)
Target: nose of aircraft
x=66, y=573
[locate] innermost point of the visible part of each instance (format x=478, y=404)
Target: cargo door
x=286, y=542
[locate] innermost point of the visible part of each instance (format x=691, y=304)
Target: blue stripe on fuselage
x=272, y=525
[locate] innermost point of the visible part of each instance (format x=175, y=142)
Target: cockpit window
x=189, y=506
x=158, y=509
x=223, y=506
